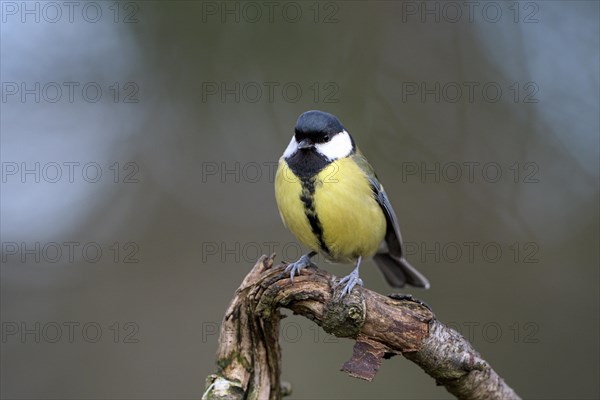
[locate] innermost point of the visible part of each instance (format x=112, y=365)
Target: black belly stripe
x=307, y=195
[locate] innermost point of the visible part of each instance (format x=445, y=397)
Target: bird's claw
x=350, y=281
x=295, y=267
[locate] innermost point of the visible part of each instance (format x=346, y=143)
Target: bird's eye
x=326, y=138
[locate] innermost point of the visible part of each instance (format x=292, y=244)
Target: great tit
x=330, y=198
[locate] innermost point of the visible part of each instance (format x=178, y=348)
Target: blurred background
x=139, y=142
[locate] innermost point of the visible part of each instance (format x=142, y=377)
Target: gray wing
x=393, y=238
x=391, y=261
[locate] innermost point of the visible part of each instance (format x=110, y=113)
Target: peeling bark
x=249, y=356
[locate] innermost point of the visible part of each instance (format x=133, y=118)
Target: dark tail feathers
x=398, y=272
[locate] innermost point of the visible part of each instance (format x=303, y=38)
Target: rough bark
x=249, y=356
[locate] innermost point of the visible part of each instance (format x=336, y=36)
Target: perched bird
x=329, y=197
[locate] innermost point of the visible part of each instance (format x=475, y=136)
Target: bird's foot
x=351, y=280
x=294, y=268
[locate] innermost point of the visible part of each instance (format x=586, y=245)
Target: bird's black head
x=317, y=127
x=319, y=139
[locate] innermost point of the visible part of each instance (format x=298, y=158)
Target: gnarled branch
x=249, y=356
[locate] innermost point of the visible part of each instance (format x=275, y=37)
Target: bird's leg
x=352, y=279
x=304, y=261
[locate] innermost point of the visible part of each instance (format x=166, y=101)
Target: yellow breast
x=288, y=190
x=351, y=220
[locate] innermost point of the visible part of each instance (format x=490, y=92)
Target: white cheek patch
x=339, y=146
x=291, y=149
